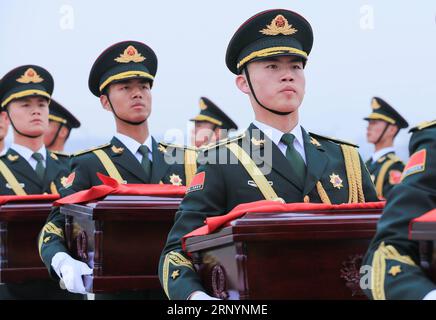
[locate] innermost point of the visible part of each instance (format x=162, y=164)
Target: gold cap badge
x=30, y=76
x=279, y=25
x=130, y=55
x=203, y=105
x=375, y=105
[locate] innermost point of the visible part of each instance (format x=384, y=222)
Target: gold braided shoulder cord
x=381, y=177
x=322, y=193
x=354, y=174
x=382, y=254
x=176, y=259
x=190, y=165
x=11, y=180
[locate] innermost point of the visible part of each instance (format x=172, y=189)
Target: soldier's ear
x=242, y=83
x=105, y=102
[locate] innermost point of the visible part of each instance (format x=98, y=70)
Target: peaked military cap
x=381, y=110
x=25, y=81
x=121, y=61
x=210, y=112
x=60, y=114
x=270, y=33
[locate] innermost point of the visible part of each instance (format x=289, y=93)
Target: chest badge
x=336, y=181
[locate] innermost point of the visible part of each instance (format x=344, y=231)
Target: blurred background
x=362, y=49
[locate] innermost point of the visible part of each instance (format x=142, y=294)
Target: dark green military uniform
x=57, y=167
x=171, y=164
x=386, y=170
x=227, y=185
x=395, y=260
x=17, y=177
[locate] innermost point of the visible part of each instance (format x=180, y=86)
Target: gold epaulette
x=333, y=139
x=60, y=153
x=91, y=149
x=423, y=125
x=223, y=142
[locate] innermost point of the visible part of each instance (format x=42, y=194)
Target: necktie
x=294, y=158
x=145, y=162
x=40, y=170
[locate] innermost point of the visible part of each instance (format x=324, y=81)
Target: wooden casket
x=20, y=224
x=423, y=230
x=121, y=238
x=309, y=255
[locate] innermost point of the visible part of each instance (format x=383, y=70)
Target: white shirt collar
x=134, y=145
x=377, y=155
x=275, y=135
x=26, y=153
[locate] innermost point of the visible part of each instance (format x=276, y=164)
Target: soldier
x=212, y=124
x=385, y=167
x=122, y=78
x=4, y=127
x=275, y=159
x=61, y=121
x=28, y=167
x=395, y=260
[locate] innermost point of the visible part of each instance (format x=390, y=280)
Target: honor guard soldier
x=122, y=78
x=394, y=260
x=211, y=124
x=276, y=158
x=385, y=167
x=4, y=127
x=61, y=121
x=28, y=167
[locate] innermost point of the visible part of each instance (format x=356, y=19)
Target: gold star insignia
x=175, y=180
x=257, y=142
x=54, y=156
x=336, y=181
x=161, y=148
x=13, y=157
x=394, y=270
x=117, y=150
x=175, y=274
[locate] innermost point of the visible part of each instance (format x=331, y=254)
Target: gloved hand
x=70, y=272
x=200, y=295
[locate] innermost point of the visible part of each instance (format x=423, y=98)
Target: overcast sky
x=362, y=49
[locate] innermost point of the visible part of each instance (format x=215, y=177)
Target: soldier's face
x=131, y=99
x=278, y=82
x=376, y=128
x=204, y=133
x=4, y=125
x=52, y=129
x=29, y=115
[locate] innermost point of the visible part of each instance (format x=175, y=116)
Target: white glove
x=70, y=272
x=200, y=295
x=430, y=296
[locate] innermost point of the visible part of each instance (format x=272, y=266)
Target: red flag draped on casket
x=111, y=186
x=267, y=206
